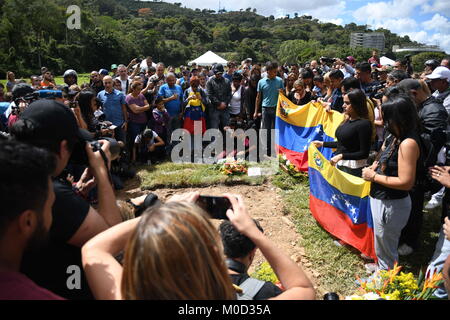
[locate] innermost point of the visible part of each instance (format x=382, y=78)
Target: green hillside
x=115, y=31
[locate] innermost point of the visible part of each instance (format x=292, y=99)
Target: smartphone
x=216, y=207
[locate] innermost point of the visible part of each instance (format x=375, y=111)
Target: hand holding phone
x=216, y=207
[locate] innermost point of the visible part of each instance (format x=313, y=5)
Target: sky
x=425, y=21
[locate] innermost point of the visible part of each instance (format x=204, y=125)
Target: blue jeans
x=440, y=254
x=134, y=129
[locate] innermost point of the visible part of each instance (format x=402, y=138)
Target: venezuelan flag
x=298, y=126
x=340, y=203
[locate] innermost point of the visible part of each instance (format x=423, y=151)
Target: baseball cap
x=408, y=84
x=218, y=68
x=53, y=121
x=439, y=73
x=350, y=58
x=148, y=133
x=113, y=66
x=103, y=72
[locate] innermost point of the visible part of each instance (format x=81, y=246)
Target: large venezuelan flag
x=302, y=125
x=340, y=203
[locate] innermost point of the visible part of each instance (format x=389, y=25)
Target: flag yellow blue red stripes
x=298, y=126
x=340, y=203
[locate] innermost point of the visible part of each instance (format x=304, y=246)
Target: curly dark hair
x=235, y=244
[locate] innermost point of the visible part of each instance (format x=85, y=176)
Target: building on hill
x=374, y=40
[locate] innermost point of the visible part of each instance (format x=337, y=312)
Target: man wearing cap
x=439, y=81
x=114, y=70
x=114, y=107
x=231, y=66
x=219, y=94
x=50, y=125
x=433, y=117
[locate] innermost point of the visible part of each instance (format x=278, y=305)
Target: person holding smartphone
x=180, y=225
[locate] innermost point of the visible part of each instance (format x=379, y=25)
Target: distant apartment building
x=367, y=40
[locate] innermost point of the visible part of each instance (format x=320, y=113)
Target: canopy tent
x=208, y=59
x=384, y=61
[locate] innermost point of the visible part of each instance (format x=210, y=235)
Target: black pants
x=411, y=232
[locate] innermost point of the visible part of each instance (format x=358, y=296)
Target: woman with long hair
x=392, y=176
x=353, y=135
x=289, y=83
x=173, y=252
x=11, y=77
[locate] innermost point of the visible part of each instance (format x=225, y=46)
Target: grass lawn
x=82, y=78
x=177, y=175
x=336, y=265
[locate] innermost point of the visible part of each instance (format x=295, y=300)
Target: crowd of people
x=71, y=145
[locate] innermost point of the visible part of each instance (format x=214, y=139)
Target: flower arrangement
x=288, y=167
x=396, y=285
x=232, y=168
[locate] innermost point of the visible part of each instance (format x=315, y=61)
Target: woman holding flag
x=392, y=176
x=353, y=136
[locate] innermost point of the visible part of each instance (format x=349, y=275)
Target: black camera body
x=328, y=60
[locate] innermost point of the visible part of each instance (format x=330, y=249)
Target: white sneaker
x=405, y=250
x=433, y=203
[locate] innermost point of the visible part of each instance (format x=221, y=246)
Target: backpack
x=250, y=289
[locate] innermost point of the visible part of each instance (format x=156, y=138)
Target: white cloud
x=397, y=25
x=438, y=23
x=375, y=12
x=441, y=6
x=275, y=7
x=338, y=21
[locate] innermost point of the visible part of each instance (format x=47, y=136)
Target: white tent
x=208, y=59
x=384, y=61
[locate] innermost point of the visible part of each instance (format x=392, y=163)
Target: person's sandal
x=150, y=200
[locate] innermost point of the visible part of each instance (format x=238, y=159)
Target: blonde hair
x=175, y=254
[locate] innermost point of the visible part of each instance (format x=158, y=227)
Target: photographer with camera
x=167, y=234
x=51, y=125
x=364, y=75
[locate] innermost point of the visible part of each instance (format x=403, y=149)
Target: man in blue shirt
x=267, y=98
x=114, y=108
x=172, y=96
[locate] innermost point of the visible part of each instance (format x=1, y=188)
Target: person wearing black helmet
x=70, y=77
x=430, y=65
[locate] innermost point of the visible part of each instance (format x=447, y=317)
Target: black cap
x=21, y=90
x=218, y=68
x=53, y=121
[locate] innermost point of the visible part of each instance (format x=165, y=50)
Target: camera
x=79, y=155
x=328, y=60
x=373, y=91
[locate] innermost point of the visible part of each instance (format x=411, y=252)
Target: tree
x=418, y=60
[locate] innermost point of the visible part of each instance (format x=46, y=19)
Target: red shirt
x=17, y=286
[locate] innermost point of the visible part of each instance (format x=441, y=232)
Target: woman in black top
x=353, y=135
x=393, y=176
x=299, y=95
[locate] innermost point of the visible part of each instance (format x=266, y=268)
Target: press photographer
x=52, y=126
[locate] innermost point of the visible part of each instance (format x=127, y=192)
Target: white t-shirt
x=144, y=66
x=150, y=143
x=235, y=103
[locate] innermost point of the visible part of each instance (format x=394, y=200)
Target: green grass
x=338, y=266
x=177, y=175
x=335, y=267
x=82, y=78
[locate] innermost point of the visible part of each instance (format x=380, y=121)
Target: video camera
x=374, y=91
x=327, y=60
